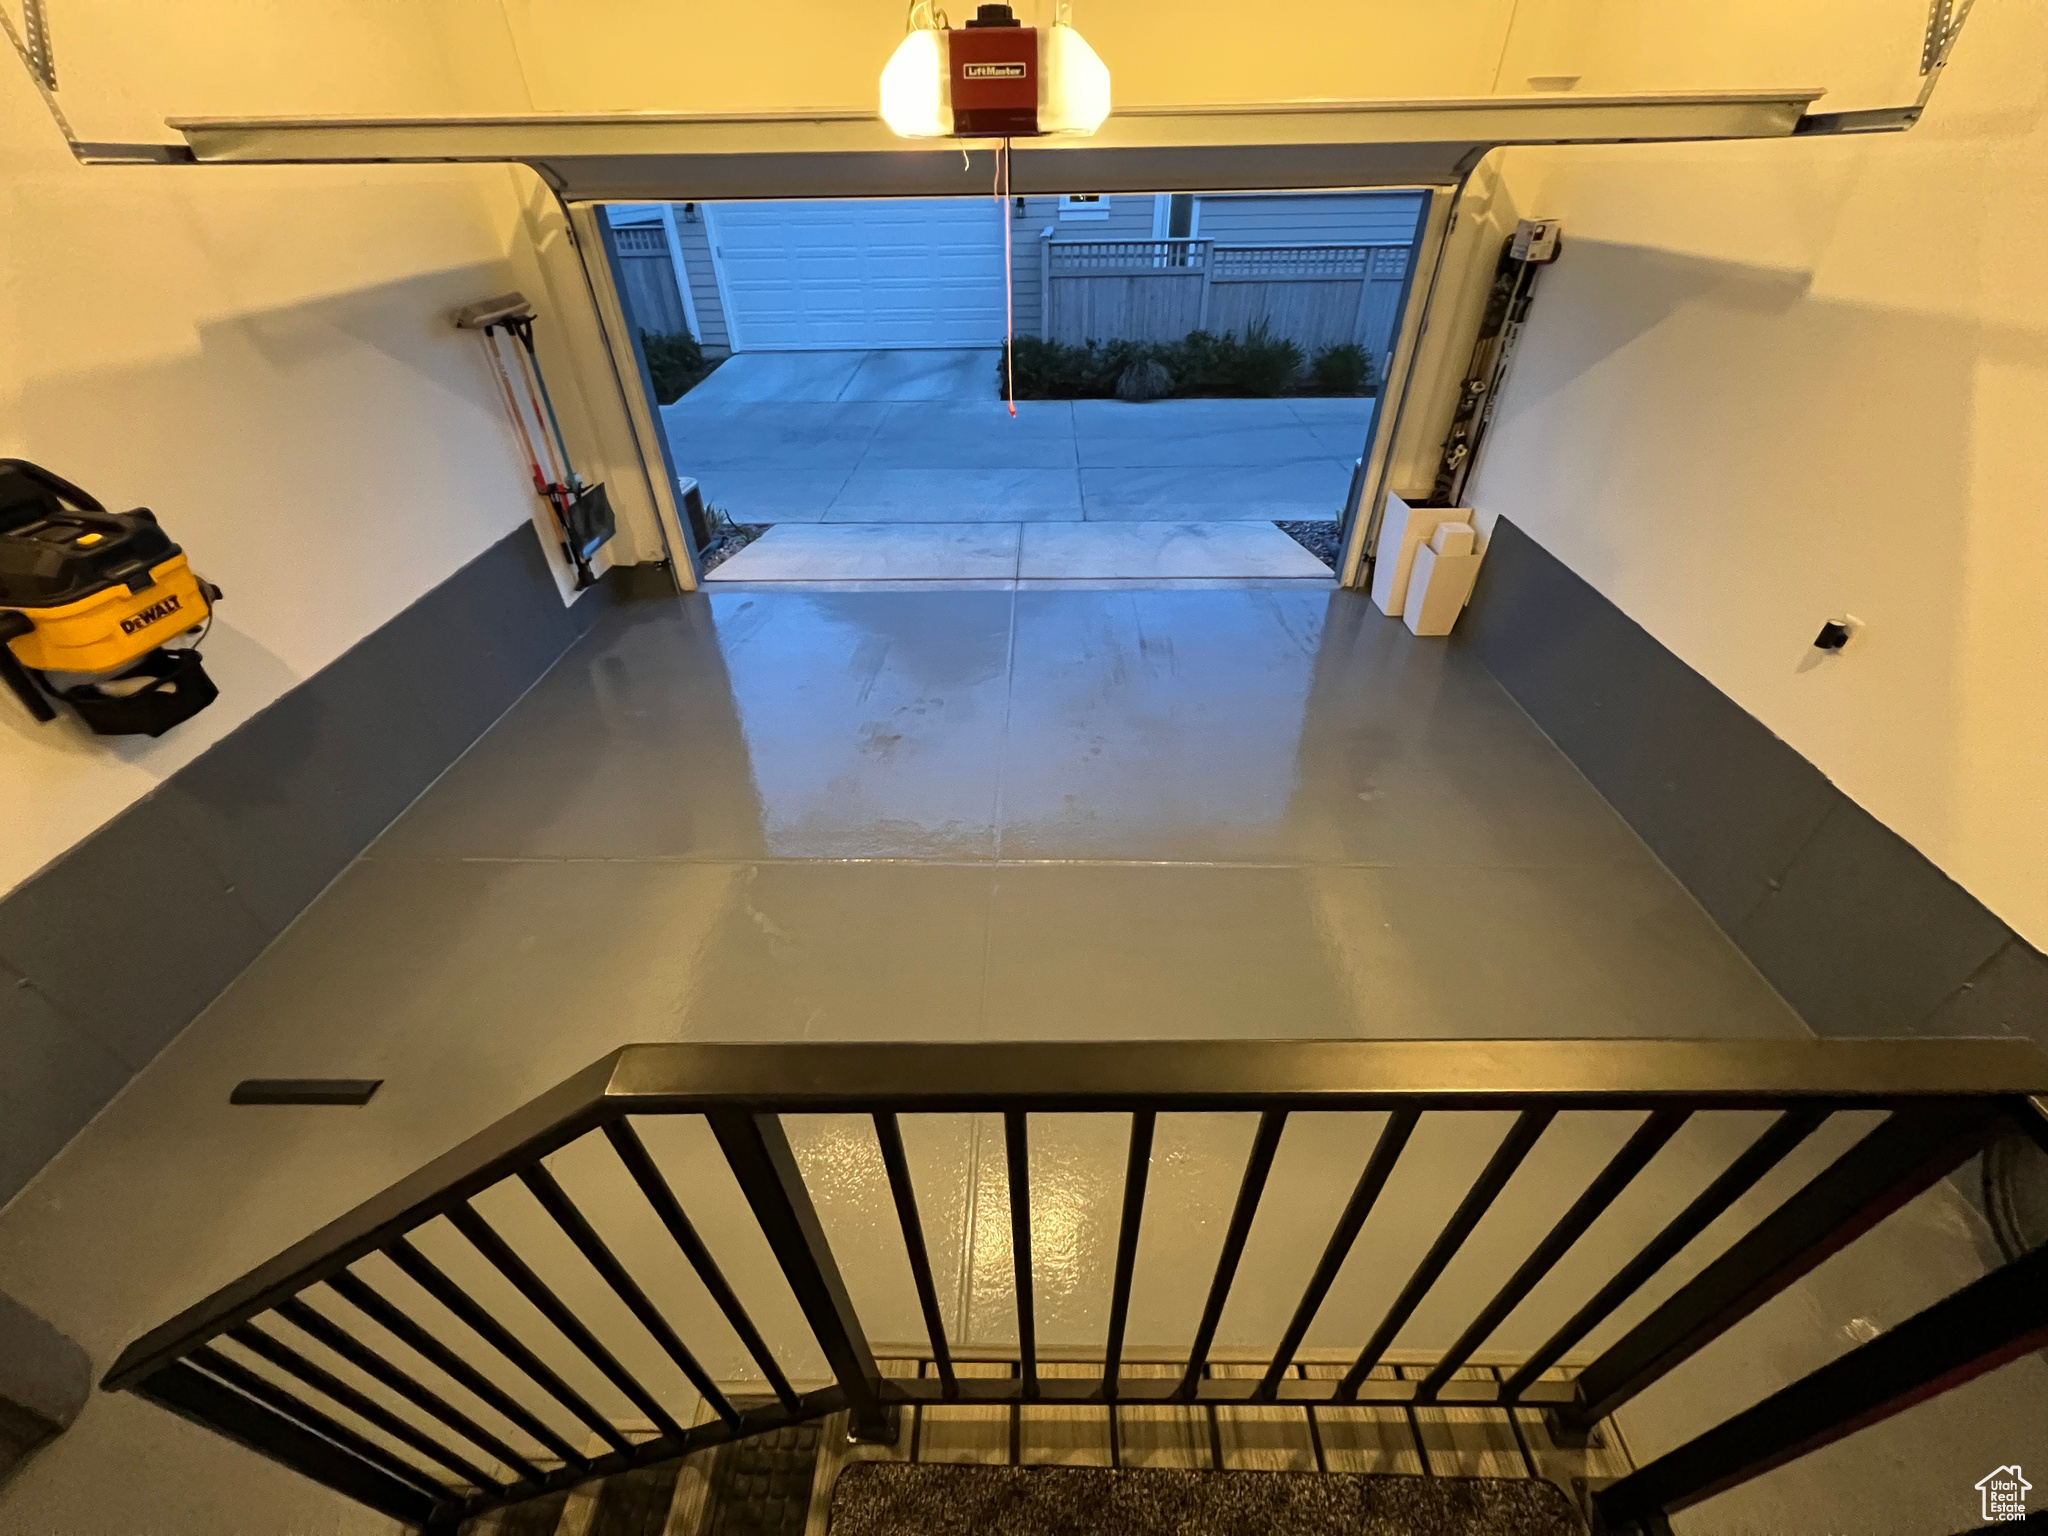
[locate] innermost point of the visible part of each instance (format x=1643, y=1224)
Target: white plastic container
x=1440, y=580
x=1403, y=531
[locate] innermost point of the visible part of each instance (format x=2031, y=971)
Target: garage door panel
x=894, y=272
x=859, y=274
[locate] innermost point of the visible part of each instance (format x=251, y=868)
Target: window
x=1084, y=205
x=1174, y=216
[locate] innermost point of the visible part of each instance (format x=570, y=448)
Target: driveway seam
x=866, y=447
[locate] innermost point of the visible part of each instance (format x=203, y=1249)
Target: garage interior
x=1437, y=983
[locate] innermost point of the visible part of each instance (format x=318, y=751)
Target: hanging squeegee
x=580, y=510
x=485, y=313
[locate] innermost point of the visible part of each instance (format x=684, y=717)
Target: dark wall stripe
x=1856, y=928
x=110, y=951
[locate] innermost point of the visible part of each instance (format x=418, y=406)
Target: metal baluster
x=192, y=1394
x=890, y=1137
x=1889, y=1167
x=1137, y=1169
x=1507, y=1157
x=289, y=1360
x=757, y=1150
x=1365, y=1194
x=1741, y=1176
x=1017, y=1161
x=640, y=1164
x=556, y=1202
x=458, y=1301
x=1257, y=1166
x=1649, y=1139
x=471, y=1225
x=373, y=1306
x=370, y=1363
x=271, y=1395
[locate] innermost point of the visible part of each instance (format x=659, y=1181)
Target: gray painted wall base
x=110, y=951
x=44, y=1380
x=1854, y=926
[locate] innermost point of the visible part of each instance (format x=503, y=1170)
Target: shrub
x=1258, y=365
x=1341, y=370
x=1146, y=379
x=1054, y=370
x=1199, y=364
x=675, y=362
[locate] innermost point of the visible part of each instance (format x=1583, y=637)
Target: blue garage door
x=923, y=272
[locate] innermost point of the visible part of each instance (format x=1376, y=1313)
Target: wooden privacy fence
x=647, y=275
x=1159, y=290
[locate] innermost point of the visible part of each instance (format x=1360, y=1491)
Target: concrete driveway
x=921, y=437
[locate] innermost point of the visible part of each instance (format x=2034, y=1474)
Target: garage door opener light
x=992, y=78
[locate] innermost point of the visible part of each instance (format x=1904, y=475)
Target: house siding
x=1331, y=218
x=1251, y=219
x=696, y=248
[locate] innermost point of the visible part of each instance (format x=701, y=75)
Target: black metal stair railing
x=423, y=1458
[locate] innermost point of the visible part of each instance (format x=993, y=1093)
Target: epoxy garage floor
x=995, y=814
x=956, y=814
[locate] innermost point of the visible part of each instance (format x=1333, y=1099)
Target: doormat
x=926, y=1499
x=761, y=1486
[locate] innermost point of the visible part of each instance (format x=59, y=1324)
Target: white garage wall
x=1769, y=384
x=263, y=357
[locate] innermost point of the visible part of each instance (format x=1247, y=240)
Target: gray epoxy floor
x=1161, y=812
x=969, y=813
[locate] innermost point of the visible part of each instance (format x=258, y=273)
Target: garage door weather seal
x=1009, y=284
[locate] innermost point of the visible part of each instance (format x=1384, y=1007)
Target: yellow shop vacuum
x=98, y=609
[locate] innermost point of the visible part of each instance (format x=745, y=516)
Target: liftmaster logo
x=2005, y=1495
x=992, y=71
x=149, y=615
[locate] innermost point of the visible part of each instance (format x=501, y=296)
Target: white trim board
x=732, y=323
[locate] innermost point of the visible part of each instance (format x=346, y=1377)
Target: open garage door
x=588, y=160
x=859, y=275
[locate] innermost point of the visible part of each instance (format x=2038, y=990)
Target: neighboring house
x=665, y=274
x=888, y=273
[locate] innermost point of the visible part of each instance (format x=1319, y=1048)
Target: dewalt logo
x=148, y=616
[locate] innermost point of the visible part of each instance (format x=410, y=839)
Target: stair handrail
x=1945, y=1100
